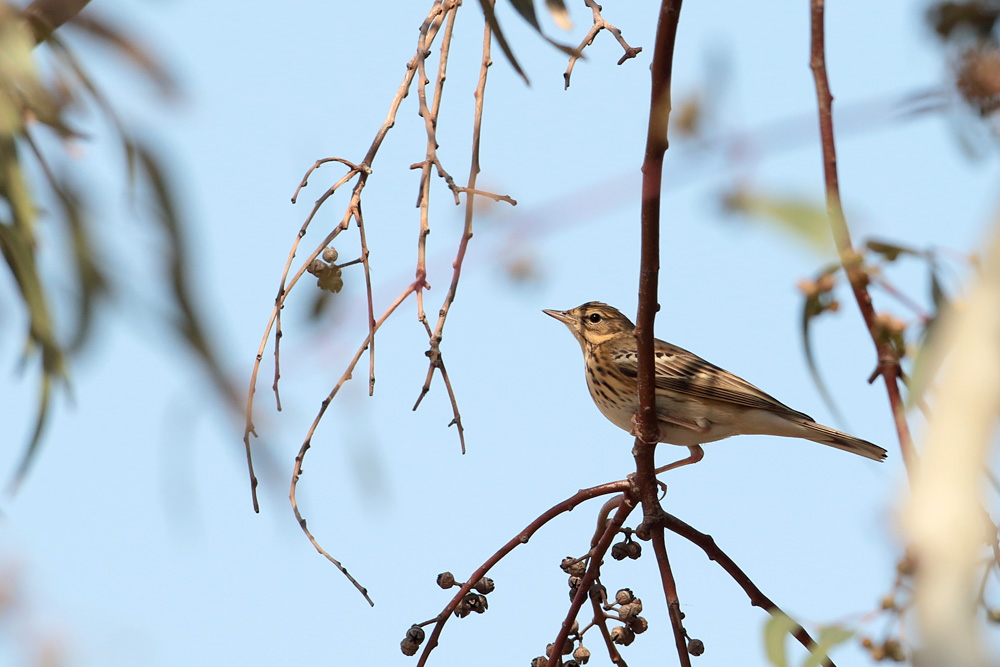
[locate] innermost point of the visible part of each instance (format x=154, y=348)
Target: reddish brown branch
x=601, y=621
x=888, y=361
x=646, y=422
x=590, y=577
x=519, y=539
x=714, y=553
x=670, y=593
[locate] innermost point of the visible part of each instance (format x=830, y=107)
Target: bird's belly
x=619, y=410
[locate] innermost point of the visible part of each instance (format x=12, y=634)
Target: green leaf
x=829, y=637
x=891, y=251
x=491, y=19
x=560, y=15
x=803, y=219
x=777, y=628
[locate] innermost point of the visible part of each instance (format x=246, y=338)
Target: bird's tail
x=834, y=438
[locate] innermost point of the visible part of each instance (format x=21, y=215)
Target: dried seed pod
x=485, y=585
x=409, y=647
x=619, y=551
x=624, y=596
x=622, y=635
x=582, y=655
x=330, y=254
x=446, y=580
x=633, y=550
x=573, y=566
x=696, y=647
x=638, y=624
x=415, y=633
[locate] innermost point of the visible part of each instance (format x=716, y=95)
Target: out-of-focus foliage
x=45, y=92
x=968, y=31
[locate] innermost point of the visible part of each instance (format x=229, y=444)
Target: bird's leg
x=697, y=454
x=700, y=425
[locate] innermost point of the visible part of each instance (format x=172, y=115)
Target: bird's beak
x=560, y=315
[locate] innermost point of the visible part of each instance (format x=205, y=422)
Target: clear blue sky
x=134, y=541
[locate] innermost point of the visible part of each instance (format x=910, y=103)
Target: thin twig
x=888, y=360
x=599, y=25
x=601, y=621
x=434, y=352
x=714, y=553
x=297, y=471
x=625, y=508
x=362, y=171
x=371, y=305
x=519, y=539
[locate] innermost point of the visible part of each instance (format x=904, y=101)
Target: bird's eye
x=595, y=318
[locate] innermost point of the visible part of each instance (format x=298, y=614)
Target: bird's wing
x=687, y=374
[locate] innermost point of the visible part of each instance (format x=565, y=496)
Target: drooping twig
x=599, y=25
x=519, y=539
x=362, y=170
x=888, y=361
x=434, y=352
x=297, y=471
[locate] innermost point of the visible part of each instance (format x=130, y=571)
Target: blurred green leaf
x=559, y=13
x=891, y=251
x=814, y=305
x=491, y=19
x=829, y=637
x=802, y=219
x=187, y=323
x=526, y=8
x=777, y=628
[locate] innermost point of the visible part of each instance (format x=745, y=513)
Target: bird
x=696, y=401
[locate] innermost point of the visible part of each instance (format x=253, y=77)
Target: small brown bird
x=696, y=401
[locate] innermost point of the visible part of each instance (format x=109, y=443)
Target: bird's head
x=593, y=322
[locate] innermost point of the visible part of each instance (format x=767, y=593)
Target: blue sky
x=134, y=541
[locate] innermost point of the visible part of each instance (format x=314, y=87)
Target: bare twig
x=297, y=471
x=601, y=621
x=599, y=25
x=519, y=539
x=625, y=507
x=434, y=352
x=714, y=553
x=362, y=171
x=888, y=361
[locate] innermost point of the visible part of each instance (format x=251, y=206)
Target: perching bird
x=696, y=401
